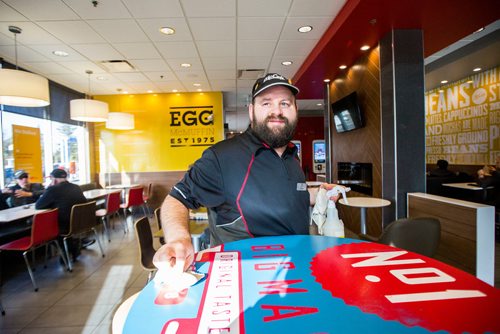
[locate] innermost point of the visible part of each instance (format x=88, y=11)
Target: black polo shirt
x=253, y=191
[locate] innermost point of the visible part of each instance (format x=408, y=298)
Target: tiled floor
x=83, y=301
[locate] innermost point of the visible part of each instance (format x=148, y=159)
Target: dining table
x=314, y=284
x=364, y=203
x=18, y=212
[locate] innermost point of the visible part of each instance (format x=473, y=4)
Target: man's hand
x=21, y=193
x=168, y=255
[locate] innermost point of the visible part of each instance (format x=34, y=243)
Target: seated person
x=442, y=169
x=23, y=192
x=489, y=176
x=63, y=195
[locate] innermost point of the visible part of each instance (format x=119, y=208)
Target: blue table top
x=315, y=284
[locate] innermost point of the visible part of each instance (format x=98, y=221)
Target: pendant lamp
x=20, y=88
x=120, y=120
x=87, y=110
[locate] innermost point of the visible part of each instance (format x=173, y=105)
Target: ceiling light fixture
x=479, y=30
x=150, y=91
x=174, y=90
x=167, y=30
x=196, y=84
x=185, y=65
x=444, y=81
x=305, y=29
x=477, y=69
x=60, y=53
x=286, y=63
x=343, y=67
x=87, y=110
x=364, y=48
x=326, y=80
x=20, y=88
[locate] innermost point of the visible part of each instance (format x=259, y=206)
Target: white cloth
x=318, y=215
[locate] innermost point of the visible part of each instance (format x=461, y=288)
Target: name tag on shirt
x=301, y=186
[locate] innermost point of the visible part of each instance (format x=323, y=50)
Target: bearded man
x=253, y=183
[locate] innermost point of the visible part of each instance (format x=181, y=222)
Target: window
x=62, y=145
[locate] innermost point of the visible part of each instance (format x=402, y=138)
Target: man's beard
x=275, y=137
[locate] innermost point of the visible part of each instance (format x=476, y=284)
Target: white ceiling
x=218, y=37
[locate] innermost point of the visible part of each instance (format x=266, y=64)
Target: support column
x=403, y=119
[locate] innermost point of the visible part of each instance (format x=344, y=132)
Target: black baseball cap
x=270, y=80
x=59, y=173
x=20, y=174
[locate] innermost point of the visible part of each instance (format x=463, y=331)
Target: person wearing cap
x=62, y=195
x=253, y=183
x=23, y=192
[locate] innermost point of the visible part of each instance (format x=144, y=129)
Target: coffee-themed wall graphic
x=462, y=120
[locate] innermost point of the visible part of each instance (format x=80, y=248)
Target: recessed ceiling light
x=174, y=90
x=479, y=30
x=185, y=65
x=167, y=30
x=199, y=90
x=477, y=69
x=444, y=81
x=326, y=80
x=342, y=67
x=365, y=47
x=441, y=91
x=150, y=91
x=125, y=92
x=470, y=81
x=305, y=29
x=319, y=104
x=60, y=53
x=287, y=63
x=101, y=78
x=196, y=84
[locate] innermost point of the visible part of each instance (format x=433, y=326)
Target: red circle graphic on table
x=414, y=291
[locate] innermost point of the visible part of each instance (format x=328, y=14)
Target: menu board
x=462, y=120
x=316, y=284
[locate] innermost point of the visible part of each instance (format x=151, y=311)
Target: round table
x=363, y=203
x=316, y=284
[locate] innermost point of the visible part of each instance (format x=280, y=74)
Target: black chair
x=145, y=243
x=420, y=235
x=158, y=222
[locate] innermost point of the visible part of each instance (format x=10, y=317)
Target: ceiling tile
x=209, y=8
x=263, y=7
x=250, y=48
x=171, y=50
x=119, y=31
x=9, y=14
x=192, y=76
x=150, y=65
x=328, y=8
x=24, y=54
x=160, y=76
x=217, y=48
x=47, y=68
x=137, y=50
x=98, y=52
x=30, y=34
x=219, y=63
x=223, y=85
x=81, y=66
x=154, y=8
x=47, y=50
x=43, y=10
x=260, y=28
x=104, y=10
x=131, y=77
x=252, y=62
x=152, y=29
x=210, y=29
x=319, y=24
x=168, y=86
x=72, y=31
x=221, y=74
x=6, y=40
x=289, y=47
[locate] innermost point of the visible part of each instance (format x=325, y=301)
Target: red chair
x=44, y=230
x=112, y=209
x=134, y=199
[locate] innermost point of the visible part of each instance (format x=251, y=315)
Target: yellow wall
x=171, y=131
x=462, y=120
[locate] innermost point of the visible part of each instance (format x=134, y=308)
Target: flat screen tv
x=347, y=114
